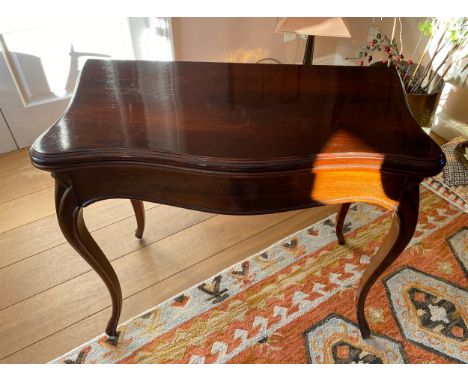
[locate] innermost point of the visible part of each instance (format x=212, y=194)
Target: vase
x=423, y=106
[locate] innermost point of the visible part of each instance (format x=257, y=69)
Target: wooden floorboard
x=42, y=234
x=26, y=209
x=19, y=178
x=50, y=300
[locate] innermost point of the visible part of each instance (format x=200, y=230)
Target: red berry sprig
x=382, y=45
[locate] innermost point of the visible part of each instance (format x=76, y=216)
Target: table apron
x=234, y=193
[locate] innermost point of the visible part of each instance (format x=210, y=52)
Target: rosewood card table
x=236, y=139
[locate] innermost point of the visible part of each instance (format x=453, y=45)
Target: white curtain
x=152, y=38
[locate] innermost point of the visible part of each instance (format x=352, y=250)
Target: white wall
x=249, y=39
x=243, y=39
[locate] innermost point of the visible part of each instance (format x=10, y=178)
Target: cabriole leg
x=340, y=222
x=404, y=224
x=70, y=218
x=140, y=217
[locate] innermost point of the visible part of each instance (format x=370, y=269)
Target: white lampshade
x=315, y=26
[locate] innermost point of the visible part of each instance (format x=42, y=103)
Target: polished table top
x=230, y=116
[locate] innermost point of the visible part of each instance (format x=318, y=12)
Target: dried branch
x=429, y=65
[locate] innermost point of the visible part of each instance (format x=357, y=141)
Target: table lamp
x=313, y=26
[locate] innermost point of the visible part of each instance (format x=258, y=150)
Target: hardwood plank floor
x=51, y=301
x=45, y=233
x=19, y=178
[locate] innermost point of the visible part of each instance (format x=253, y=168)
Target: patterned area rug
x=294, y=302
x=451, y=183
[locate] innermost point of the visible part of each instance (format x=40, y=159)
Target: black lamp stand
x=309, y=51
